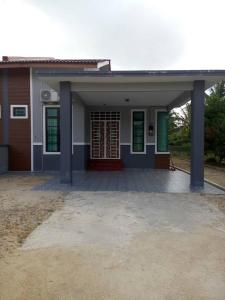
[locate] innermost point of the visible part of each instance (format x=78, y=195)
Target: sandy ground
x=22, y=210
x=155, y=265
x=122, y=246
x=214, y=174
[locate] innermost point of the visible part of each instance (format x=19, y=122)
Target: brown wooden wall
x=19, y=129
x=1, y=126
x=162, y=161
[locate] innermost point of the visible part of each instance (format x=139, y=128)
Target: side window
x=138, y=131
x=162, y=131
x=52, y=129
x=19, y=111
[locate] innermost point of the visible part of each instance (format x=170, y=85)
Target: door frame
x=105, y=158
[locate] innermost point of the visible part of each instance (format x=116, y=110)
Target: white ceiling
x=141, y=90
x=139, y=98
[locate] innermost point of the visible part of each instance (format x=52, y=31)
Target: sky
x=134, y=34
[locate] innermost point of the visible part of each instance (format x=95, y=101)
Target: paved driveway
x=124, y=245
x=113, y=218
x=130, y=180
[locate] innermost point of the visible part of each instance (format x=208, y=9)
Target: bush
x=211, y=160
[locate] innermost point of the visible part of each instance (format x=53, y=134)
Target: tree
x=180, y=125
x=215, y=121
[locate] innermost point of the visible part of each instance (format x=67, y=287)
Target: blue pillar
x=65, y=132
x=197, y=134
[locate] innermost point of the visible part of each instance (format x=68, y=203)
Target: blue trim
x=81, y=154
x=138, y=160
x=51, y=162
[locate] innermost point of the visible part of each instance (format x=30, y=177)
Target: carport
x=167, y=89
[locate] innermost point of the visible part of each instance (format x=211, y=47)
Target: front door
x=105, y=135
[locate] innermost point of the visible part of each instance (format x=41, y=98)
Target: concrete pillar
x=197, y=134
x=65, y=132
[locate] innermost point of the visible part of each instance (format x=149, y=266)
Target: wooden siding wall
x=1, y=125
x=162, y=161
x=19, y=129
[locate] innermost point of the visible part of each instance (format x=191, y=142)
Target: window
x=162, y=131
x=138, y=131
x=19, y=111
x=52, y=129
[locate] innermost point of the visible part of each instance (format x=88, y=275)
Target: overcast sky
x=134, y=34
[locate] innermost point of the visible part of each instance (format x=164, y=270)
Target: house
x=65, y=115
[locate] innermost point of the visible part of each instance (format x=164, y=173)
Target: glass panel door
x=162, y=131
x=138, y=144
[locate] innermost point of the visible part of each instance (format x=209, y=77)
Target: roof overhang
x=153, y=88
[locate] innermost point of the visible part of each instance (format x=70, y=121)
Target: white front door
x=105, y=135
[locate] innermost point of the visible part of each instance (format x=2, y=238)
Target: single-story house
x=65, y=115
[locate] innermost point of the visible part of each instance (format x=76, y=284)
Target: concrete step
x=105, y=164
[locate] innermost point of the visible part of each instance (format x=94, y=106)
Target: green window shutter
x=52, y=129
x=138, y=144
x=162, y=131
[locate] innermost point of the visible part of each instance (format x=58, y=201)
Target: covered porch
x=136, y=91
x=130, y=180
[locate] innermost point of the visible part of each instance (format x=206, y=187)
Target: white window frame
x=44, y=130
x=145, y=122
x=156, y=128
x=18, y=117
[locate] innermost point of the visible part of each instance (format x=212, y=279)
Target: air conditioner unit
x=49, y=96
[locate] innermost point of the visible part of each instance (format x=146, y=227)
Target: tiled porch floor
x=141, y=180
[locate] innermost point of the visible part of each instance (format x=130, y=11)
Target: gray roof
x=130, y=73
x=46, y=60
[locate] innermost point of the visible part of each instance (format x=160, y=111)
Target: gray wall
x=81, y=133
x=81, y=154
x=78, y=121
x=125, y=121
x=4, y=156
x=138, y=160
x=38, y=109
x=51, y=162
x=78, y=114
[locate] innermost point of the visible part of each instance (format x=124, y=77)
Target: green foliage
x=215, y=121
x=180, y=126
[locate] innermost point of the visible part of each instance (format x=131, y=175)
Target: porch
x=130, y=180
x=142, y=91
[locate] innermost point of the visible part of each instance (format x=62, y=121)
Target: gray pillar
x=5, y=106
x=65, y=132
x=197, y=134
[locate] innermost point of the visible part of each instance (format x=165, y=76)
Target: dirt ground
x=212, y=173
x=155, y=265
x=22, y=210
x=163, y=264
